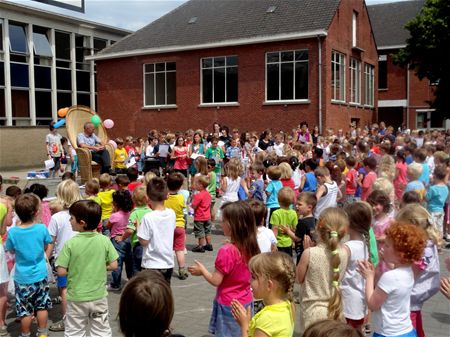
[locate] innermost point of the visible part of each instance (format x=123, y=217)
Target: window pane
x=171, y=88
x=149, y=89
x=207, y=63
x=170, y=66
x=301, y=55
x=19, y=75
x=301, y=80
x=41, y=45
x=1, y=42
x=64, y=99
x=42, y=77
x=84, y=99
x=80, y=48
x=219, y=85
x=219, y=61
x=382, y=75
x=207, y=86
x=160, y=89
x=62, y=45
x=18, y=39
x=20, y=103
x=287, y=56
x=149, y=68
x=99, y=45
x=272, y=82
x=2, y=74
x=83, y=81
x=43, y=104
x=2, y=103
x=232, y=84
x=63, y=79
x=160, y=66
x=232, y=61
x=287, y=80
x=273, y=57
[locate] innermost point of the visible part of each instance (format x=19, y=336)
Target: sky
x=126, y=14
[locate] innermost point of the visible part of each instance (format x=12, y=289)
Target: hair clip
x=333, y=234
x=335, y=283
x=334, y=252
x=336, y=270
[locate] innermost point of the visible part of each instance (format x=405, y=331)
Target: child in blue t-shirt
x=436, y=196
x=272, y=189
x=28, y=241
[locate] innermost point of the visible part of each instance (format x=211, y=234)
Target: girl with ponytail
x=321, y=269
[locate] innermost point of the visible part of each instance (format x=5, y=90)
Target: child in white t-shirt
x=390, y=299
x=267, y=241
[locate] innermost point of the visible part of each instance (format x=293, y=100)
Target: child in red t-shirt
x=201, y=203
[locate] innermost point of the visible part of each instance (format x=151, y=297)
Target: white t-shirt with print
x=61, y=228
x=266, y=239
x=158, y=228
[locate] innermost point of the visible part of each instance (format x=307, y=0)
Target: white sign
x=76, y=5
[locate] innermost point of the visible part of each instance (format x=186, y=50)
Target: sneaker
x=58, y=326
x=183, y=274
x=56, y=300
x=198, y=249
x=111, y=288
x=3, y=331
x=209, y=248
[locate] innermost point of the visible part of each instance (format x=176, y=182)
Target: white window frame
x=338, y=59
x=226, y=66
x=354, y=29
x=355, y=81
x=369, y=83
x=166, y=105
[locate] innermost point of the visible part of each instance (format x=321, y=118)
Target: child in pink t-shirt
x=370, y=164
x=231, y=276
x=118, y=222
x=400, y=180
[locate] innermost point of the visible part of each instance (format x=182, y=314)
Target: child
x=6, y=215
x=420, y=156
x=256, y=188
x=426, y=270
x=85, y=260
x=400, y=180
x=327, y=191
x=146, y=301
x=233, y=151
x=286, y=177
x=106, y=200
x=305, y=232
x=156, y=230
x=28, y=240
x=331, y=328
x=60, y=231
x=321, y=269
x=117, y=224
x=133, y=174
x=41, y=191
x=413, y=172
x=201, y=203
x=120, y=156
x=370, y=165
x=176, y=202
x=273, y=277
x=215, y=152
x=91, y=188
x=390, y=299
x=309, y=180
x=272, y=189
x=358, y=248
x=284, y=219
x=267, y=241
x=231, y=275
x=231, y=182
x=212, y=186
x=141, y=208
x=436, y=197
x=180, y=156
x=351, y=178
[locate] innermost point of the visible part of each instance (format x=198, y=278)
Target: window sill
x=355, y=104
x=217, y=105
x=297, y=101
x=369, y=106
x=338, y=102
x=159, y=107
x=383, y=89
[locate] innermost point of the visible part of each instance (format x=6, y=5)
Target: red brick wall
x=396, y=80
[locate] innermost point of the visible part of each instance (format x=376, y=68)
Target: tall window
x=369, y=81
x=355, y=81
x=382, y=72
x=287, y=75
x=160, y=84
x=338, y=76
x=220, y=79
x=354, y=29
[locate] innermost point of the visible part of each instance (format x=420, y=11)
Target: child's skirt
x=222, y=323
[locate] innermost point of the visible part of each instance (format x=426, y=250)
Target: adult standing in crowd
x=89, y=140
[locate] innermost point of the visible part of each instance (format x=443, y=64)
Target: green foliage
x=428, y=49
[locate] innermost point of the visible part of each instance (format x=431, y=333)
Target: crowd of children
x=358, y=221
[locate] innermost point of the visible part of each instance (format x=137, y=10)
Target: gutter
x=319, y=46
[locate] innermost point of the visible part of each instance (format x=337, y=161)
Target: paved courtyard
x=193, y=299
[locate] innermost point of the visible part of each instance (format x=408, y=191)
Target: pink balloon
x=113, y=143
x=108, y=123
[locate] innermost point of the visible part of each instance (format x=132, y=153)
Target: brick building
x=249, y=64
x=403, y=99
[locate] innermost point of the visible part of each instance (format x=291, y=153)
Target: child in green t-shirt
x=284, y=217
x=85, y=260
x=212, y=186
x=215, y=152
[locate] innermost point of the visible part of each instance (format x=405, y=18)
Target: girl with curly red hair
x=389, y=300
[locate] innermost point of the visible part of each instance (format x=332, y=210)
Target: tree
x=428, y=51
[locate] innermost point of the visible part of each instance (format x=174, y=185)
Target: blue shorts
x=412, y=333
x=32, y=297
x=61, y=281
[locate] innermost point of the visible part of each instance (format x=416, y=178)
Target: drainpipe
x=319, y=47
x=407, y=98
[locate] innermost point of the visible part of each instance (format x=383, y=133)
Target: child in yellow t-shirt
x=177, y=203
x=120, y=156
x=106, y=200
x=91, y=189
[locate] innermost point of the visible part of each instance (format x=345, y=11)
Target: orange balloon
x=63, y=112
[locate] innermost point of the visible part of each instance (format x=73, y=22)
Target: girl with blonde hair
x=321, y=269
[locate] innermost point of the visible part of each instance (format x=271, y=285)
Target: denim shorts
x=32, y=297
x=412, y=333
x=222, y=323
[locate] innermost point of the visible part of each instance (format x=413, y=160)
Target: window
x=160, y=84
x=287, y=75
x=382, y=72
x=219, y=79
x=62, y=46
x=41, y=44
x=355, y=81
x=82, y=49
x=369, y=81
x=99, y=44
x=338, y=77
x=1, y=36
x=18, y=39
x=354, y=29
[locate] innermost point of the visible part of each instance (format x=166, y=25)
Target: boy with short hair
x=327, y=192
x=256, y=190
x=413, y=172
x=176, y=202
x=201, y=203
x=28, y=240
x=133, y=174
x=156, y=230
x=85, y=260
x=436, y=196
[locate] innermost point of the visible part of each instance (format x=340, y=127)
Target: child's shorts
x=61, y=281
x=412, y=333
x=202, y=228
x=32, y=297
x=222, y=323
x=179, y=239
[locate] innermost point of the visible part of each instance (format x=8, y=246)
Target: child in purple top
x=118, y=222
x=231, y=275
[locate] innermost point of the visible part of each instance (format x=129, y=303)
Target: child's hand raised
x=197, y=269
x=241, y=314
x=445, y=287
x=366, y=269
